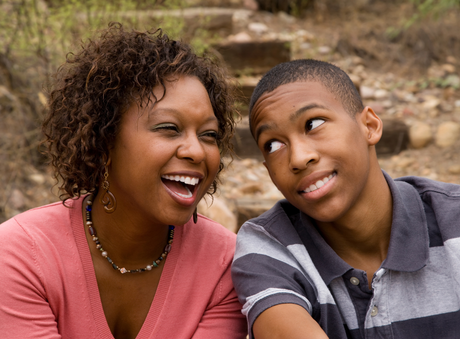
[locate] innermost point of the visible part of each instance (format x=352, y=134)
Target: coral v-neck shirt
x=48, y=286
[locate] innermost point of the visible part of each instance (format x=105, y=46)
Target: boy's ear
x=372, y=125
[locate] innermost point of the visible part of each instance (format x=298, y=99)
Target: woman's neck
x=130, y=239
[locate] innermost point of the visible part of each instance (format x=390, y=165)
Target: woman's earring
x=108, y=199
x=195, y=216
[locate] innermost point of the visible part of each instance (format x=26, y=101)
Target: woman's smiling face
x=165, y=155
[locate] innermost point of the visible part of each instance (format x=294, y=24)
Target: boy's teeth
x=318, y=184
x=185, y=180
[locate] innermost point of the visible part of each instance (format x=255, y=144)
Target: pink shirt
x=48, y=286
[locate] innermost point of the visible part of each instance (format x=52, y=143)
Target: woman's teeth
x=318, y=184
x=185, y=180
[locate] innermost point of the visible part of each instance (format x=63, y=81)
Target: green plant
x=424, y=9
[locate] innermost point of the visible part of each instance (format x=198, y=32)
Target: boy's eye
x=273, y=146
x=313, y=123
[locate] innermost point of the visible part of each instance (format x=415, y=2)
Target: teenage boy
x=351, y=253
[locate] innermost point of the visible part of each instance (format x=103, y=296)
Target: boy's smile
x=316, y=153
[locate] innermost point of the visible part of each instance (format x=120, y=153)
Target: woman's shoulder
x=210, y=228
x=39, y=221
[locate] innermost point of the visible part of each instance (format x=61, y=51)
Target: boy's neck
x=362, y=236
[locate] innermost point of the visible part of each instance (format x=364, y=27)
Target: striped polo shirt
x=281, y=258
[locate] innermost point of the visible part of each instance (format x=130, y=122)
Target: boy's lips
x=314, y=182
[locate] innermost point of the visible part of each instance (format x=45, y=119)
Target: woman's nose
x=191, y=149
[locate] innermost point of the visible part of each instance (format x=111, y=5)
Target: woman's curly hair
x=94, y=87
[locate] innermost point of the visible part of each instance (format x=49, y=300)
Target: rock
x=251, y=5
x=37, y=178
x=258, y=27
x=17, y=199
x=378, y=108
x=435, y=72
x=356, y=79
x=305, y=35
x=356, y=60
x=454, y=169
x=254, y=57
x=286, y=18
x=240, y=37
x=403, y=163
x=367, y=92
x=252, y=188
x=430, y=103
x=407, y=111
x=394, y=137
x=448, y=68
x=420, y=134
x=447, y=134
x=305, y=45
x=43, y=100
x=452, y=80
x=451, y=60
x=457, y=103
x=220, y=212
x=381, y=94
x=324, y=50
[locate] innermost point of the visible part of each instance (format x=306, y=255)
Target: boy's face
x=315, y=152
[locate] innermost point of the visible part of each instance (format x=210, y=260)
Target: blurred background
x=402, y=55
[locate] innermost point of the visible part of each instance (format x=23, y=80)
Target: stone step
x=394, y=139
x=251, y=4
x=247, y=86
x=208, y=18
x=254, y=57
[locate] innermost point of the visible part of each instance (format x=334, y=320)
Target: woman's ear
x=373, y=126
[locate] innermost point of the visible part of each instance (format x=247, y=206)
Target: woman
x=138, y=122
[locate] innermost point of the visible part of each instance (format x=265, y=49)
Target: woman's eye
x=313, y=123
x=273, y=146
x=165, y=126
x=210, y=134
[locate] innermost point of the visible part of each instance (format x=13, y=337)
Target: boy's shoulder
x=277, y=225
x=428, y=186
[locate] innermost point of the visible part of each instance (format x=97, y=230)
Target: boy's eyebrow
x=262, y=129
x=292, y=117
x=302, y=110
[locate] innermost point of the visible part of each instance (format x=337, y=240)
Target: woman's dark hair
x=95, y=86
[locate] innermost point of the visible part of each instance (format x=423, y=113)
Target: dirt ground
x=407, y=67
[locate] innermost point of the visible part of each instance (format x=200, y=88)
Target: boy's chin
x=325, y=213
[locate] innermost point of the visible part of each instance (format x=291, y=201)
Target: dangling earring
x=108, y=199
x=195, y=216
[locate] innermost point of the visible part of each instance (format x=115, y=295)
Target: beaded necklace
x=156, y=263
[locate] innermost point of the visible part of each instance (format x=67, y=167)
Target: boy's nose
x=191, y=149
x=301, y=155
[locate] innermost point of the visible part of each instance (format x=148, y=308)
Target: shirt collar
x=409, y=242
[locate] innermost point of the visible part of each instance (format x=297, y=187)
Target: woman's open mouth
x=183, y=186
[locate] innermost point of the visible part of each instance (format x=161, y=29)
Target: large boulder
x=447, y=134
x=420, y=134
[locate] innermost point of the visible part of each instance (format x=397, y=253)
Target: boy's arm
x=287, y=321
x=278, y=296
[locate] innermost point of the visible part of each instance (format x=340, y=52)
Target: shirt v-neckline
x=152, y=319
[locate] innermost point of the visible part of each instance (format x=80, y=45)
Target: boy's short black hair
x=332, y=77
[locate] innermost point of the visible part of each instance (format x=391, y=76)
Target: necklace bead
x=123, y=270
